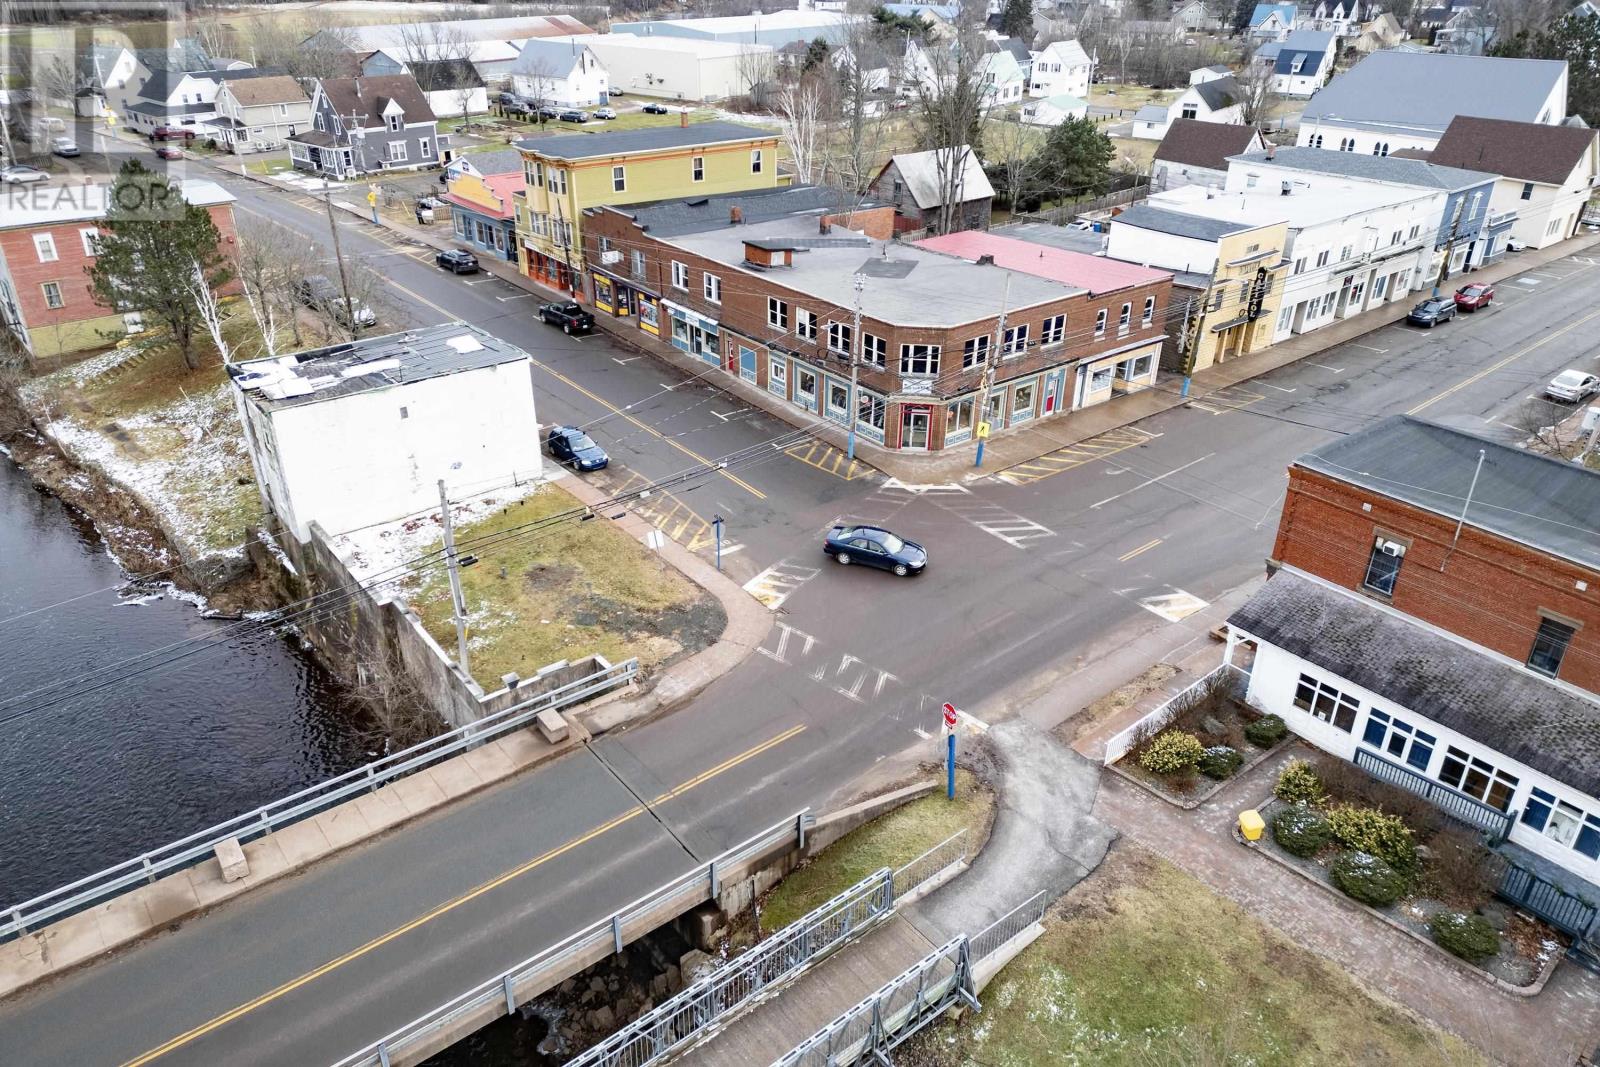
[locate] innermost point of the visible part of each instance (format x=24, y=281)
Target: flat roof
x=359, y=366
x=1541, y=502
x=1265, y=205
x=1096, y=274
x=47, y=203
x=905, y=285
x=652, y=139
x=703, y=47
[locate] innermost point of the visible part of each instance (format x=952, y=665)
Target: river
x=89, y=780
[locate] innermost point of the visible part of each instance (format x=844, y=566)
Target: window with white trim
x=805, y=324
x=1325, y=702
x=636, y=261
x=1383, y=566
x=1399, y=739
x=1550, y=645
x=44, y=244
x=1480, y=780
x=1125, y=318
x=1053, y=330
x=838, y=399
x=423, y=148
x=52, y=295
x=1149, y=311
x=1015, y=341
x=619, y=179
x=778, y=314
x=919, y=360
x=712, y=288
x=680, y=275
x=874, y=349
x=975, y=352
x=841, y=338
x=394, y=123
x=958, y=415
x=91, y=242
x=870, y=409
x=697, y=169
x=1562, y=822
x=556, y=181
x=396, y=151
x=755, y=161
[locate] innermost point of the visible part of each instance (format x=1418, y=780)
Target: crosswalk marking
x=1074, y=456
x=1230, y=398
x=996, y=521
x=1174, y=606
x=778, y=582
x=829, y=460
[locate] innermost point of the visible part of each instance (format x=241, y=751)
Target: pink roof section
x=1094, y=273
x=502, y=186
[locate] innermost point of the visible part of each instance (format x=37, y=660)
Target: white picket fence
x=1118, y=744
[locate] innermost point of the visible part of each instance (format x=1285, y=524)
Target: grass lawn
x=268, y=166
x=564, y=592
x=1137, y=151
x=892, y=840
x=1115, y=94
x=1144, y=965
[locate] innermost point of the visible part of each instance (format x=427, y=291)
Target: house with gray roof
x=919, y=183
x=367, y=126
x=1399, y=99
x=564, y=73
x=1303, y=62
x=1212, y=96
x=1429, y=616
x=1546, y=173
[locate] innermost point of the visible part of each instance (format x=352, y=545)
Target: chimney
x=735, y=215
x=1272, y=149
x=985, y=260
x=683, y=118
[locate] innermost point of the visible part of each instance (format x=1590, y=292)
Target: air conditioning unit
x=349, y=174
x=612, y=256
x=1391, y=548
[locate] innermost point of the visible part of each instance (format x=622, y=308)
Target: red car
x=169, y=151
x=1473, y=297
x=171, y=133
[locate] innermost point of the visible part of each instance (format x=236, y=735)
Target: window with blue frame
x=1562, y=822
x=1398, y=738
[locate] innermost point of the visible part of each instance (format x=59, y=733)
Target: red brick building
x=765, y=285
x=1523, y=576
x=47, y=236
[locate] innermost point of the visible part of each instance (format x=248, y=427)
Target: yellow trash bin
x=1251, y=825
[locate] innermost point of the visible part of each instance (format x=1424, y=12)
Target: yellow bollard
x=1251, y=825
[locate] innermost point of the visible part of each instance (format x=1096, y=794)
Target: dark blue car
x=874, y=546
x=577, y=449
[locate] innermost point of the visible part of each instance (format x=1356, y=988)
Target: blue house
x=483, y=211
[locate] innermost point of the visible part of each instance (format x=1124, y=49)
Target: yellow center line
x=1147, y=546
x=691, y=453
x=1504, y=362
x=451, y=905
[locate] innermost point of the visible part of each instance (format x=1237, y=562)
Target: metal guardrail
x=896, y=1011
x=695, y=1012
x=200, y=846
x=1009, y=925
x=1470, y=810
x=1567, y=913
x=701, y=883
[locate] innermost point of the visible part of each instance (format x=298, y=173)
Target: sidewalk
x=1013, y=446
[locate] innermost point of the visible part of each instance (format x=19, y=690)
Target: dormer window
x=395, y=122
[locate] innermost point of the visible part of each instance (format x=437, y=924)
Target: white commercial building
x=361, y=433
x=680, y=68
x=564, y=71
x=1350, y=247
x=773, y=28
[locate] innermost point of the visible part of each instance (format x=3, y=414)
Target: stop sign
x=950, y=716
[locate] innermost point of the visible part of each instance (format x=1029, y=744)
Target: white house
x=1004, y=80
x=680, y=68
x=1197, y=153
x=1054, y=110
x=1342, y=18
x=361, y=432
x=1546, y=173
x=1395, y=100
x=1273, y=22
x=561, y=71
x=1061, y=67
x=1352, y=247
x=1302, y=62
x=1210, y=97
x=1193, y=16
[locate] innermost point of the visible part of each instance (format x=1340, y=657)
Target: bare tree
x=799, y=109
x=269, y=262
x=1013, y=152
x=951, y=101
x=214, y=36
x=866, y=68
x=401, y=714
x=1258, y=91
x=1542, y=423
x=209, y=308
x=535, y=83
x=439, y=56
x=755, y=71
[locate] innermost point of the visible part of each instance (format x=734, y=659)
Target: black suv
x=569, y=316
x=457, y=261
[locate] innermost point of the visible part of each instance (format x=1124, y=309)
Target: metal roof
x=1543, y=503
x=653, y=139
x=1145, y=217
x=1396, y=169
x=1545, y=725
x=1423, y=91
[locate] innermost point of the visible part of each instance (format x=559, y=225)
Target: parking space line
x=1076, y=455
x=829, y=460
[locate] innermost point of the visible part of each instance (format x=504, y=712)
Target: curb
x=748, y=624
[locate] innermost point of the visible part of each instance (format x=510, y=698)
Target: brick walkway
x=1550, y=1030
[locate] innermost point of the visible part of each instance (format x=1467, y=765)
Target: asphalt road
x=1034, y=570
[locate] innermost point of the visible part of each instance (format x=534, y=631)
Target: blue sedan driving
x=577, y=449
x=874, y=546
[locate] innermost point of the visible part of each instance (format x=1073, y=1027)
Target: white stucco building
x=360, y=433
x=563, y=71
x=680, y=68
x=1545, y=173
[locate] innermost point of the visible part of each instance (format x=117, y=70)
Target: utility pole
x=857, y=346
x=1449, y=247
x=458, y=599
x=338, y=249
x=980, y=424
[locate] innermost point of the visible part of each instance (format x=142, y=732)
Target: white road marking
x=1174, y=606
x=1152, y=481
x=1279, y=388
x=1324, y=366
x=777, y=583
x=786, y=632
x=973, y=724
x=517, y=296
x=624, y=362
x=996, y=521
x=1369, y=348
x=920, y=732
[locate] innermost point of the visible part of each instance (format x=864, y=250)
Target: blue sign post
x=950, y=756
x=716, y=526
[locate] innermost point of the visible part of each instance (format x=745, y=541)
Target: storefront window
x=805, y=384
x=778, y=375
x=1022, y=401
x=838, y=400
x=680, y=332
x=958, y=417
x=870, y=411
x=1100, y=379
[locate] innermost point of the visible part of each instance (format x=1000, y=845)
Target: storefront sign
x=709, y=325
x=603, y=298
x=649, y=315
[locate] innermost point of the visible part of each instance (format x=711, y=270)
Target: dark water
x=88, y=781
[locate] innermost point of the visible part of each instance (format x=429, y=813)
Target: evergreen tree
x=1016, y=20
x=1575, y=39
x=1077, y=157
x=151, y=242
x=1241, y=15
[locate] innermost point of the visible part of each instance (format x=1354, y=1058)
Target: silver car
x=64, y=146
x=1572, y=386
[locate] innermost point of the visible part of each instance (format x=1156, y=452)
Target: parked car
x=171, y=133
x=169, y=151
x=604, y=113
x=457, y=261
x=573, y=115
x=875, y=547
x=572, y=446
x=65, y=147
x=656, y=109
x=1474, y=296
x=1514, y=245
x=615, y=92
x=508, y=99
x=320, y=292
x=1431, y=312
x=1572, y=386
x=22, y=174
x=567, y=315
x=549, y=111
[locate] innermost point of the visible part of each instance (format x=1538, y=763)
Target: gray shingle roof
x=1397, y=169
x=1541, y=502
x=674, y=218
x=1394, y=90
x=1543, y=725
x=499, y=161
x=1219, y=93
x=655, y=138
x=1160, y=220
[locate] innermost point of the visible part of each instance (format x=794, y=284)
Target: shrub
x=1364, y=877
x=1172, y=753
x=1346, y=783
x=1301, y=830
x=1265, y=731
x=1468, y=936
x=1370, y=830
x=1459, y=870
x=1298, y=784
x=1220, y=761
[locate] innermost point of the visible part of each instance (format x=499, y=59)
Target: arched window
x=1316, y=141
x=1385, y=148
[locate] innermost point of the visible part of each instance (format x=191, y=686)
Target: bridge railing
x=17, y=919
x=593, y=942
x=694, y=1013
x=1008, y=926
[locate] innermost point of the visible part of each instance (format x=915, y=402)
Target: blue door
x=747, y=363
